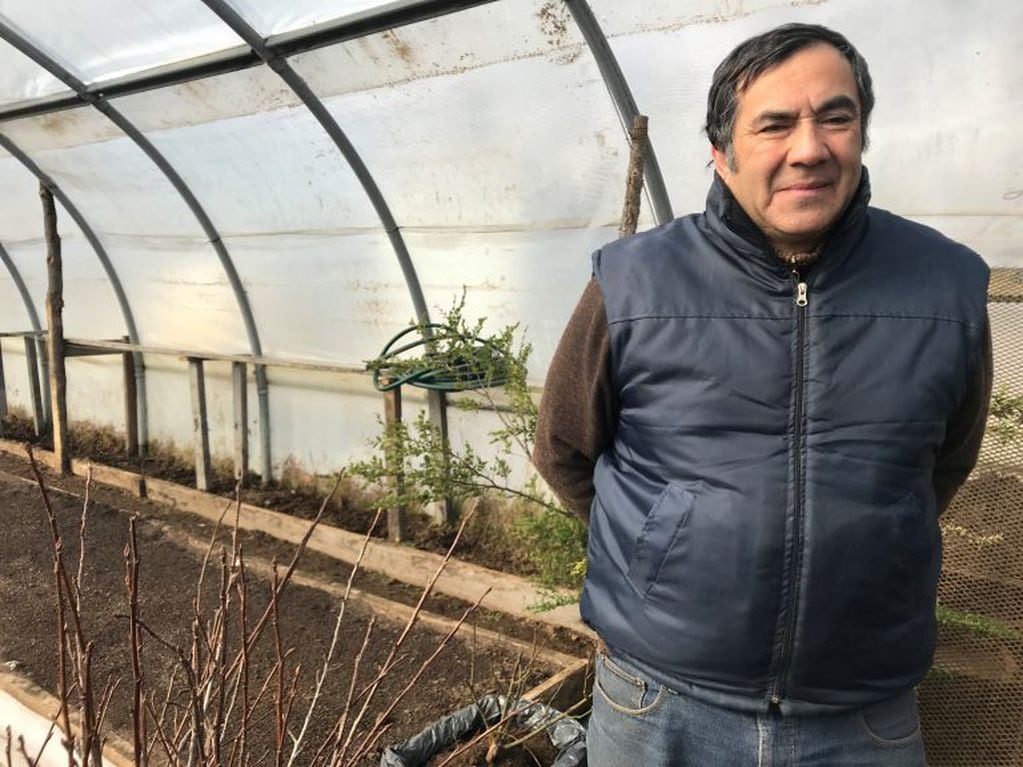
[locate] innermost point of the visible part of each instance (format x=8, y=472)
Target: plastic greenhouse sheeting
x=494, y=143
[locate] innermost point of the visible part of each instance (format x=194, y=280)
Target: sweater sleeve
x=578, y=409
x=958, y=455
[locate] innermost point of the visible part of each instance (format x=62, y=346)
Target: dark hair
x=753, y=57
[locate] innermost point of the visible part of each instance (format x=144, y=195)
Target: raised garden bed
x=476, y=661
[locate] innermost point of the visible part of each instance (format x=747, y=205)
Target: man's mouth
x=805, y=186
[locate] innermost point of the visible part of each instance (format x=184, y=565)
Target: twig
x=62, y=631
x=483, y=734
x=280, y=721
x=42, y=747
x=81, y=540
x=337, y=733
x=368, y=742
x=370, y=691
x=131, y=580
x=244, y=667
x=322, y=674
x=567, y=713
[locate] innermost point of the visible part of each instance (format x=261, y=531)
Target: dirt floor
x=295, y=494
x=170, y=552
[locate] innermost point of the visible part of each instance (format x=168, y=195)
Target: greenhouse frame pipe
x=111, y=273
x=437, y=403
x=286, y=44
x=262, y=385
x=624, y=103
x=348, y=151
x=33, y=319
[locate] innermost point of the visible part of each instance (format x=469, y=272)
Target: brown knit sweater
x=579, y=410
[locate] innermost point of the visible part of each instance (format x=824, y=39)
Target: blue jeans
x=637, y=722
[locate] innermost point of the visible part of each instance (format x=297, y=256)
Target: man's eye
x=773, y=128
x=838, y=120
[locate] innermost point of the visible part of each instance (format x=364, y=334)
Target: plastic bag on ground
x=566, y=734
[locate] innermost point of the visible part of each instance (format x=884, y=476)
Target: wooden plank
x=35, y=394
x=239, y=376
x=397, y=516
x=131, y=406
x=280, y=362
x=55, y=336
x=200, y=424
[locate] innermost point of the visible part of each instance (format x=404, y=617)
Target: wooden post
x=239, y=371
x=200, y=425
x=443, y=511
x=3, y=389
x=55, y=323
x=35, y=394
x=397, y=517
x=131, y=404
x=634, y=180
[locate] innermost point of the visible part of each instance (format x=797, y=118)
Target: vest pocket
x=663, y=525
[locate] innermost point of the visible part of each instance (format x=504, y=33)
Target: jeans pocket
x=624, y=691
x=894, y=722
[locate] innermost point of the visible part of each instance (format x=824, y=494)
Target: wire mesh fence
x=972, y=700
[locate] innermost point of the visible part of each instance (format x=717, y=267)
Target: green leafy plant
x=490, y=372
x=1005, y=416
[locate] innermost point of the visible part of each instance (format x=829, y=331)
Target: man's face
x=796, y=147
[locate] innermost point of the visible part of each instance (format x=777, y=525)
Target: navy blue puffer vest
x=765, y=527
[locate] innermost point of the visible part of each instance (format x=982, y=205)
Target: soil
x=464, y=669
x=486, y=541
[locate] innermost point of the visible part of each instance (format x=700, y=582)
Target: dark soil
x=485, y=541
x=169, y=574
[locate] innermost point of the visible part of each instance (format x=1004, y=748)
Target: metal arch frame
x=279, y=64
x=624, y=103
x=26, y=47
x=286, y=44
x=108, y=268
x=33, y=319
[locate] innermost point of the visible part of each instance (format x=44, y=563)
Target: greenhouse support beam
x=624, y=103
x=226, y=263
x=287, y=44
x=200, y=424
x=41, y=58
x=239, y=372
x=315, y=105
x=33, y=318
x=55, y=327
x=108, y=268
x=3, y=391
x=35, y=394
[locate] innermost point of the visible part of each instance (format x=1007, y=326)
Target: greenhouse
x=247, y=243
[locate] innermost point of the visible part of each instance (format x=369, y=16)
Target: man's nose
x=808, y=145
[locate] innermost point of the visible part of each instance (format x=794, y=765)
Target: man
x=762, y=410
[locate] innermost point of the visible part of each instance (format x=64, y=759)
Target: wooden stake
x=131, y=405
x=34, y=392
x=55, y=323
x=200, y=424
x=443, y=511
x=239, y=371
x=634, y=180
x=3, y=390
x=397, y=517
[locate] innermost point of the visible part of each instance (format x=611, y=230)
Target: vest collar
x=732, y=222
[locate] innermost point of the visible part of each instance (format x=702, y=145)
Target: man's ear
x=720, y=162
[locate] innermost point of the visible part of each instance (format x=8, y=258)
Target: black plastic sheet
x=566, y=734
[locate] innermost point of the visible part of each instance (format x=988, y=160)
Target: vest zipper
x=801, y=300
